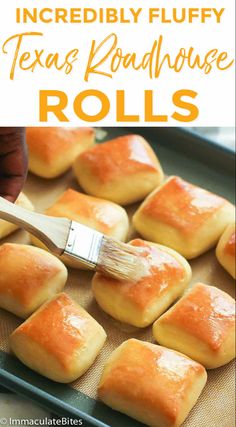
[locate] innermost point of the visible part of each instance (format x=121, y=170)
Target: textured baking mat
x=215, y=407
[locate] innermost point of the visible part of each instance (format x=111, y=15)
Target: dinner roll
x=184, y=217
x=52, y=151
x=60, y=340
x=143, y=300
x=7, y=228
x=28, y=277
x=201, y=325
x=102, y=215
x=123, y=170
x=152, y=384
x=225, y=250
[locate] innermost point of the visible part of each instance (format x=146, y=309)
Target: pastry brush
x=89, y=247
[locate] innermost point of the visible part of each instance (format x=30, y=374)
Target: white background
x=19, y=100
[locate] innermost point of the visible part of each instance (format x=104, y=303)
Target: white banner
x=142, y=63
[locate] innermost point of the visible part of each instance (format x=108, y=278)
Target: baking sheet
x=215, y=407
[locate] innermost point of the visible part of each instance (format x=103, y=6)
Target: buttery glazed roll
x=201, y=325
x=123, y=170
x=141, y=302
x=102, y=215
x=28, y=277
x=52, y=151
x=152, y=384
x=184, y=217
x=225, y=251
x=60, y=341
x=5, y=227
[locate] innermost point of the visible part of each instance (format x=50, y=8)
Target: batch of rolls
x=155, y=384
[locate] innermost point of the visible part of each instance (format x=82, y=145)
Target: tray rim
x=210, y=141
x=23, y=388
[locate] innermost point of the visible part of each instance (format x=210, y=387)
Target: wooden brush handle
x=53, y=232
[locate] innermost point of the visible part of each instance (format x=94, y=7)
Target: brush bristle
x=120, y=260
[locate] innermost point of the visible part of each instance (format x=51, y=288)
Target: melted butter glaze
x=120, y=157
x=151, y=376
x=24, y=272
x=231, y=245
x=76, y=206
x=48, y=143
x=164, y=272
x=206, y=313
x=182, y=205
x=60, y=328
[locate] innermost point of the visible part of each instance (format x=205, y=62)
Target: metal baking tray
x=183, y=153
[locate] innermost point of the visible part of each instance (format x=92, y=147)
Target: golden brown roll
x=123, y=170
x=184, y=217
x=225, y=251
x=52, y=151
x=152, y=384
x=28, y=277
x=201, y=325
x=142, y=301
x=60, y=341
x=102, y=215
x=5, y=227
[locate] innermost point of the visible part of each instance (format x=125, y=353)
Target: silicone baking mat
x=215, y=407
